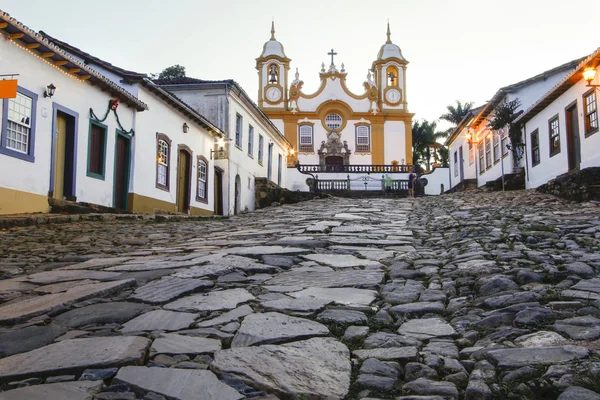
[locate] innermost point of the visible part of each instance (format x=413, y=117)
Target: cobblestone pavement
x=465, y=296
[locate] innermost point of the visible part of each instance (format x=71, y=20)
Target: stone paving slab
x=318, y=368
x=48, y=277
x=167, y=289
x=160, y=320
x=181, y=384
x=169, y=343
x=74, y=355
x=42, y=304
x=344, y=296
x=341, y=260
x=370, y=279
x=82, y=390
x=213, y=301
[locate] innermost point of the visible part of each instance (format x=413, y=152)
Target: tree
x=456, y=114
x=175, y=71
x=504, y=115
x=423, y=133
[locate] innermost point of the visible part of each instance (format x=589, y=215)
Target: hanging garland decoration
x=112, y=106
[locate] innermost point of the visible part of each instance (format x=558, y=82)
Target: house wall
x=165, y=120
x=211, y=103
x=552, y=166
x=468, y=161
x=26, y=187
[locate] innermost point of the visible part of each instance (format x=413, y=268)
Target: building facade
x=253, y=148
x=334, y=127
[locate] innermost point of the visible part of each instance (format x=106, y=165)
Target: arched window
x=202, y=184
x=306, y=138
x=163, y=160
x=333, y=121
x=392, y=76
x=363, y=138
x=273, y=74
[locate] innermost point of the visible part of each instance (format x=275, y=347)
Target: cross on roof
x=332, y=53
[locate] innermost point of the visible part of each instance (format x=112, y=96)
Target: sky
x=458, y=50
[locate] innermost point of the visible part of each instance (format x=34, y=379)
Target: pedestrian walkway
x=465, y=296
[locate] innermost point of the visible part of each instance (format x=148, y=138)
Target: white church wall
x=394, y=140
x=333, y=91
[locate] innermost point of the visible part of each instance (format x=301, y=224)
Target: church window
x=273, y=74
x=488, y=151
x=363, y=138
x=333, y=121
x=202, y=189
x=496, y=136
x=481, y=158
x=238, y=130
x=591, y=112
x=306, y=138
x=392, y=76
x=554, y=136
x=163, y=159
x=535, y=148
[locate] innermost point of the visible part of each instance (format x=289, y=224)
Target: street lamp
x=589, y=74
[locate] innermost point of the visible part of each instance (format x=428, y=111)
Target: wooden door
x=121, y=189
x=218, y=192
x=573, y=149
x=183, y=182
x=58, y=191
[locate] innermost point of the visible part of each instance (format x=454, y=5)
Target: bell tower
x=273, y=66
x=390, y=76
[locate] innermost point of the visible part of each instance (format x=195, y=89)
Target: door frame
x=187, y=201
x=56, y=108
x=218, y=191
x=128, y=178
x=573, y=136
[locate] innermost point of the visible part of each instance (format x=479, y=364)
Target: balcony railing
x=359, y=169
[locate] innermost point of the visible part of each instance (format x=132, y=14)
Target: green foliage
x=174, y=71
x=456, y=114
x=504, y=115
x=425, y=134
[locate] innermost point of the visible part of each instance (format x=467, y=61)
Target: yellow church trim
x=18, y=202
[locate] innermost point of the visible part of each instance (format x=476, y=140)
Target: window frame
x=535, y=147
x=554, y=149
x=481, y=156
x=162, y=137
x=202, y=160
x=304, y=147
x=456, y=163
x=488, y=151
x=587, y=114
x=4, y=149
x=366, y=148
x=471, y=153
x=261, y=145
x=504, y=141
x=497, y=152
x=339, y=125
x=250, y=141
x=90, y=173
x=239, y=130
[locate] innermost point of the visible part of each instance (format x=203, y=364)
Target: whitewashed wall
x=435, y=180
x=160, y=118
x=35, y=75
x=550, y=167
x=394, y=141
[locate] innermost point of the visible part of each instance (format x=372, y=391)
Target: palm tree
x=456, y=114
x=424, y=134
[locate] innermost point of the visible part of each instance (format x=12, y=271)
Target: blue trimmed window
x=96, y=150
x=18, y=125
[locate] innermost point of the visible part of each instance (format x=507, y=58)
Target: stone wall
x=582, y=185
x=267, y=193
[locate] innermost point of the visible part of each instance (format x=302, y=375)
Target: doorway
x=334, y=163
x=63, y=173
x=218, y=191
x=184, y=173
x=237, y=205
x=122, y=170
x=573, y=144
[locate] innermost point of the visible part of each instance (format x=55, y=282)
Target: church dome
x=389, y=49
x=273, y=47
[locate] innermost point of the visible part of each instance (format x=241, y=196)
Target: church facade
x=333, y=129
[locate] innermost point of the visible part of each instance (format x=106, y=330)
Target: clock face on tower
x=273, y=94
x=393, y=96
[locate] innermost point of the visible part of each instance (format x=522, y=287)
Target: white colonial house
x=169, y=164
x=254, y=147
x=50, y=147
x=480, y=153
x=561, y=128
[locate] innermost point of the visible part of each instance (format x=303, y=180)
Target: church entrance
x=334, y=163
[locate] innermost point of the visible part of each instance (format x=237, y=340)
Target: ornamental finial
x=389, y=34
x=273, y=30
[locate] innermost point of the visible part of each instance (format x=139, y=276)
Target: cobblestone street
x=465, y=296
